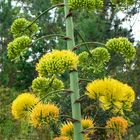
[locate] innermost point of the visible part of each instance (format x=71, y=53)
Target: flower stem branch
x=82, y=38
x=44, y=12
x=50, y=36
x=79, y=45
x=56, y=91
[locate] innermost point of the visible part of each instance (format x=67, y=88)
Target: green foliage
x=37, y=7
x=19, y=26
x=56, y=1
x=7, y=124
x=16, y=47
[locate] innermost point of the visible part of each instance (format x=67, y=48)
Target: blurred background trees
x=98, y=27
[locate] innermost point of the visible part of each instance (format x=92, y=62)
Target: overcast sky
x=134, y=22
x=136, y=26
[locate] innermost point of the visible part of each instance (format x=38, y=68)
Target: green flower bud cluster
x=21, y=31
x=56, y=62
x=86, y=4
x=123, y=47
x=43, y=85
x=96, y=60
x=122, y=2
x=19, y=25
x=17, y=46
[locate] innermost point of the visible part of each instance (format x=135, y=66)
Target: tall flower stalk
x=76, y=107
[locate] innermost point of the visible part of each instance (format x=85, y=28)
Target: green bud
x=45, y=85
x=16, y=47
x=56, y=62
x=121, y=46
x=19, y=25
x=86, y=4
x=96, y=60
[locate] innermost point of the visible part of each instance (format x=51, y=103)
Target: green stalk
x=74, y=86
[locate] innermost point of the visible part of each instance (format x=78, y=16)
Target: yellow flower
x=87, y=123
x=112, y=94
x=107, y=102
x=117, y=126
x=23, y=104
x=61, y=138
x=44, y=114
x=56, y=62
x=67, y=128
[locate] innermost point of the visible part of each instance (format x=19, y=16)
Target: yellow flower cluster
x=117, y=127
x=23, y=104
x=19, y=25
x=67, y=128
x=86, y=4
x=121, y=46
x=43, y=85
x=87, y=123
x=17, y=46
x=112, y=94
x=28, y=106
x=61, y=138
x=56, y=62
x=44, y=114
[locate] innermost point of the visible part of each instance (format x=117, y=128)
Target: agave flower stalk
x=76, y=107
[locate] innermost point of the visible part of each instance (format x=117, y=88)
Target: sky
x=136, y=27
x=134, y=22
